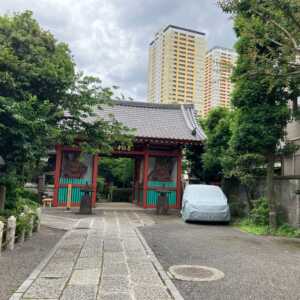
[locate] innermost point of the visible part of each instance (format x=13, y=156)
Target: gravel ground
x=255, y=267
x=16, y=266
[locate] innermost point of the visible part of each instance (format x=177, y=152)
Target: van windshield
x=204, y=194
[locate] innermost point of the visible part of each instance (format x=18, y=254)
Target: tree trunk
x=2, y=196
x=270, y=192
x=295, y=105
x=248, y=197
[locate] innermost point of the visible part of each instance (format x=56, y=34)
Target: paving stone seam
x=115, y=222
x=159, y=268
x=102, y=261
x=130, y=291
x=152, y=222
x=34, y=275
x=75, y=261
x=36, y=272
x=140, y=219
x=170, y=287
x=60, y=217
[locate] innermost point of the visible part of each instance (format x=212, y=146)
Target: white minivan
x=203, y=202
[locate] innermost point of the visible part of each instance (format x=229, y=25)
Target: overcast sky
x=110, y=38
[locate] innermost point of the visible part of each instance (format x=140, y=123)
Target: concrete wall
x=288, y=199
x=285, y=192
x=291, y=164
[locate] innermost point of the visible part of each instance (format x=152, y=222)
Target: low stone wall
x=286, y=195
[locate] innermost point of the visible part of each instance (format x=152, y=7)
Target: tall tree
x=264, y=80
x=217, y=126
x=281, y=36
x=206, y=162
x=35, y=74
x=38, y=85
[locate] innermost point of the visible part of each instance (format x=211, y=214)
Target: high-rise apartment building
x=219, y=64
x=176, y=66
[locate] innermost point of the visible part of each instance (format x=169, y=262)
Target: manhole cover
x=195, y=273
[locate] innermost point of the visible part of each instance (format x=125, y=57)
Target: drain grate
x=195, y=273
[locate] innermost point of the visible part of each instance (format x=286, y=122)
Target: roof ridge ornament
x=188, y=123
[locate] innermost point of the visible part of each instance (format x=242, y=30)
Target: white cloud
x=109, y=38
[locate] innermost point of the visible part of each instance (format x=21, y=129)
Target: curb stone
x=171, y=289
x=162, y=273
x=35, y=273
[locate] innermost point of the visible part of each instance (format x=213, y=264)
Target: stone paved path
x=100, y=257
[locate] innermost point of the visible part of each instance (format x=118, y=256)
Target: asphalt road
x=255, y=267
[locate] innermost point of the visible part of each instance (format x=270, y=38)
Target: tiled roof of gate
x=161, y=121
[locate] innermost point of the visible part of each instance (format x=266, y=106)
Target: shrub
x=287, y=230
x=26, y=194
x=23, y=223
x=16, y=194
x=6, y=213
x=247, y=225
x=259, y=214
x=257, y=222
x=23, y=205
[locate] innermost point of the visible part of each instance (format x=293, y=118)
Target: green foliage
x=261, y=91
x=287, y=149
x=100, y=185
x=35, y=74
x=261, y=102
x=193, y=162
x=24, y=204
x=248, y=226
x=258, y=222
x=287, y=230
x=43, y=101
x=6, y=213
x=23, y=223
x=18, y=195
x=117, y=170
x=280, y=33
x=259, y=214
x=24, y=209
x=97, y=135
x=283, y=230
x=23, y=193
x=217, y=126
x=247, y=168
x=267, y=47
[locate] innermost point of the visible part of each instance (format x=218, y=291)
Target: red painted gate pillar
x=94, y=179
x=145, y=187
x=179, y=183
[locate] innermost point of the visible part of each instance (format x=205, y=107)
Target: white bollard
x=22, y=237
x=11, y=231
x=22, y=234
x=30, y=227
x=1, y=234
x=39, y=217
